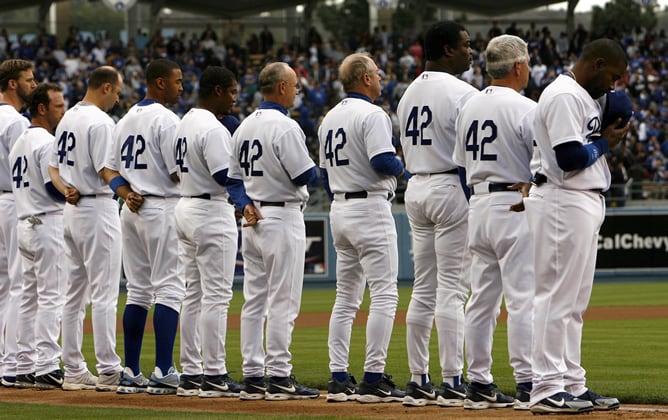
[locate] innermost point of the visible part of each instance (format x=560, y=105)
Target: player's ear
x=41, y=109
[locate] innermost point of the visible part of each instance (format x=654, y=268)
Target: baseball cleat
x=131, y=383
x=381, y=391
x=600, y=402
x=189, y=385
x=8, y=381
x=481, y=396
x=219, y=386
x=523, y=396
x=562, y=403
x=449, y=396
x=163, y=384
x=51, y=380
x=85, y=381
x=108, y=382
x=25, y=380
x=420, y=395
x=253, y=389
x=342, y=391
x=281, y=389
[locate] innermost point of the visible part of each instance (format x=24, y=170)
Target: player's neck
x=12, y=99
x=41, y=122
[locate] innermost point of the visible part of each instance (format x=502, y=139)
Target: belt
x=490, y=187
x=205, y=196
x=364, y=194
x=272, y=203
x=5, y=191
x=95, y=196
x=449, y=172
x=539, y=179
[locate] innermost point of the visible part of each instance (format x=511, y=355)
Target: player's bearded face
x=25, y=85
x=462, y=54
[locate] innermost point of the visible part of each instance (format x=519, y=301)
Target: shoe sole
x=483, y=405
x=522, y=405
x=46, y=387
x=182, y=392
x=449, y=402
x=161, y=391
x=371, y=399
x=130, y=390
x=217, y=394
x=417, y=402
x=24, y=385
x=545, y=409
x=78, y=387
x=342, y=397
x=106, y=388
x=247, y=396
x=284, y=397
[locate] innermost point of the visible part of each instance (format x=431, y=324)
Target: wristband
x=117, y=182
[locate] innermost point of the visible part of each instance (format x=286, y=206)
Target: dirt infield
x=320, y=407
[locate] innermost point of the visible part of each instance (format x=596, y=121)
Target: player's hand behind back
x=522, y=187
x=252, y=215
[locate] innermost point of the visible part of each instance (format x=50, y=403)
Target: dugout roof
x=239, y=8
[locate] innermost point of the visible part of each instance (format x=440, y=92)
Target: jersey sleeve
x=234, y=168
x=53, y=154
x=100, y=138
x=44, y=155
x=15, y=129
x=216, y=149
x=459, y=153
x=111, y=159
x=378, y=134
x=292, y=152
x=561, y=120
x=526, y=130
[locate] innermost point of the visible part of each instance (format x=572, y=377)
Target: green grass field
x=624, y=358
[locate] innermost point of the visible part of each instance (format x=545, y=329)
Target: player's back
x=82, y=142
x=29, y=158
x=12, y=124
x=352, y=133
x=142, y=151
x=566, y=113
x=495, y=136
x=201, y=148
x=427, y=113
x=270, y=150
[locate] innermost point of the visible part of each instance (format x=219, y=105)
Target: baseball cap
x=617, y=105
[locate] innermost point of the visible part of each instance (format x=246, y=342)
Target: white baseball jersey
x=269, y=151
x=428, y=136
x=142, y=149
x=495, y=111
x=553, y=128
x=201, y=148
x=12, y=124
x=81, y=149
x=29, y=160
x=352, y=133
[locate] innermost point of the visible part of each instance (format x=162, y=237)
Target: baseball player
x=359, y=167
x=272, y=160
x=437, y=212
x=40, y=232
x=141, y=153
x=191, y=361
x=565, y=215
x=92, y=231
x=207, y=233
x=495, y=145
x=16, y=83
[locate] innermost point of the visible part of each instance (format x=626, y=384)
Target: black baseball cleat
x=253, y=389
x=449, y=396
x=51, y=380
x=25, y=381
x=420, y=395
x=189, y=385
x=562, y=403
x=600, y=402
x=342, y=391
x=481, y=396
x=219, y=386
x=523, y=396
x=381, y=391
x=281, y=389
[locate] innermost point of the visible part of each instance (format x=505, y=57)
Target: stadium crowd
x=69, y=62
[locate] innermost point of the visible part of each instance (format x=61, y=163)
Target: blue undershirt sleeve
x=306, y=176
x=53, y=192
x=221, y=177
x=325, y=183
x=387, y=164
x=235, y=187
x=573, y=155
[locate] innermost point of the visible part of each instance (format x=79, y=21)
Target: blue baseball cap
x=617, y=105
